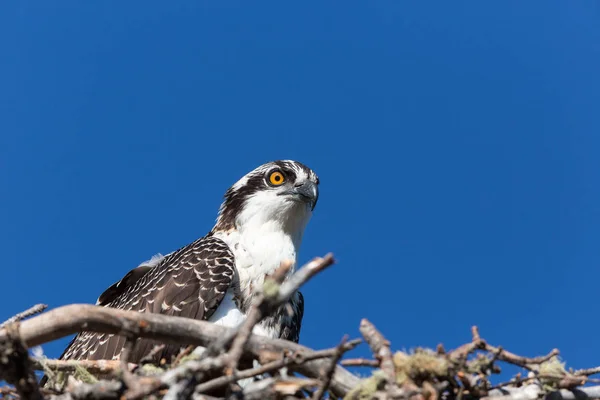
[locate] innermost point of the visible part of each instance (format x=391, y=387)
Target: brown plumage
x=190, y=283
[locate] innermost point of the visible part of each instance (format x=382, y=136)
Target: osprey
x=260, y=224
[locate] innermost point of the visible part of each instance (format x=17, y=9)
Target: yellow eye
x=276, y=178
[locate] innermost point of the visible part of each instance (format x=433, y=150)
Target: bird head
x=279, y=193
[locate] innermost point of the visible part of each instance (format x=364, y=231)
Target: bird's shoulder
x=191, y=282
x=206, y=265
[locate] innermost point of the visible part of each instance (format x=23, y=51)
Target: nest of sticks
x=239, y=365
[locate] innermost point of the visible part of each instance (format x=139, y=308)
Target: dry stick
x=360, y=362
x=587, y=371
x=525, y=362
x=38, y=308
x=380, y=347
x=102, y=390
x=266, y=302
x=155, y=350
x=259, y=309
x=15, y=365
x=533, y=392
x=185, y=352
x=295, y=358
x=499, y=353
x=177, y=379
x=274, y=388
x=98, y=367
x=74, y=318
x=182, y=389
x=475, y=333
x=329, y=372
x=564, y=381
x=462, y=352
x=128, y=377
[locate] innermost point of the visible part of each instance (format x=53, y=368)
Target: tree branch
x=66, y=320
x=15, y=366
x=38, y=308
x=275, y=293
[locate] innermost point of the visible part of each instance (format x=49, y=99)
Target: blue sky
x=457, y=146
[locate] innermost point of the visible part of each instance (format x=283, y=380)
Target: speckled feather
x=190, y=282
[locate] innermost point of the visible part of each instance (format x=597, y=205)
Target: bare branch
x=359, y=362
x=148, y=358
x=587, y=371
x=183, y=353
x=15, y=366
x=533, y=391
x=96, y=367
x=380, y=347
x=525, y=362
x=269, y=367
x=328, y=374
x=267, y=302
x=129, y=379
x=38, y=308
x=70, y=319
x=303, y=275
x=260, y=308
x=499, y=353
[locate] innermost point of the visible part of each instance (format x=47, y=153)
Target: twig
x=267, y=302
x=98, y=367
x=478, y=343
x=475, y=333
x=248, y=373
x=587, y=371
x=563, y=381
x=329, y=372
x=183, y=353
x=15, y=365
x=462, y=352
x=380, y=347
x=271, y=366
x=525, y=362
x=360, y=362
x=274, y=388
x=102, y=390
x=258, y=310
x=182, y=377
x=289, y=287
x=148, y=358
x=533, y=391
x=129, y=379
x=38, y=308
x=295, y=358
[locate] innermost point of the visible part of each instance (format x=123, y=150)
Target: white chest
x=257, y=254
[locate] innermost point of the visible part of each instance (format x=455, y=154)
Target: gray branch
x=67, y=320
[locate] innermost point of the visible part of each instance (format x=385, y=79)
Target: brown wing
x=120, y=287
x=189, y=282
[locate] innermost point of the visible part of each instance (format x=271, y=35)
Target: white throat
x=267, y=231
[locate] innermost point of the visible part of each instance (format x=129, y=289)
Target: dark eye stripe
x=256, y=181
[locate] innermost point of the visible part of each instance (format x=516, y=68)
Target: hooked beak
x=307, y=192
